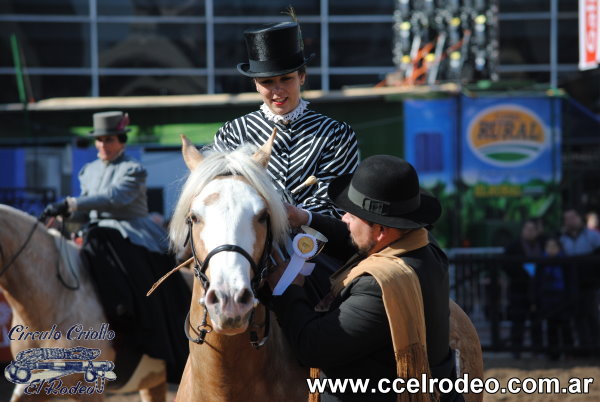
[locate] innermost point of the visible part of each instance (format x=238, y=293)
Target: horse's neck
x=232, y=369
x=32, y=288
x=224, y=352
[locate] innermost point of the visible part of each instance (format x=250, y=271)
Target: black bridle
x=259, y=271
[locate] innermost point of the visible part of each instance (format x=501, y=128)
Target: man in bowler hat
x=387, y=315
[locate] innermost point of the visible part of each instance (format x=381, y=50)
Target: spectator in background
x=541, y=229
x=520, y=290
x=551, y=284
x=591, y=219
x=577, y=239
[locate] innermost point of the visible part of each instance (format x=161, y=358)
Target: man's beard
x=364, y=250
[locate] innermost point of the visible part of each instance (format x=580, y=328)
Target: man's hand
x=296, y=216
x=57, y=208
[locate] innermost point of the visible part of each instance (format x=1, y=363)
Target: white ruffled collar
x=285, y=118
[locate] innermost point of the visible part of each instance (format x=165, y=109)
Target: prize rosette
x=305, y=246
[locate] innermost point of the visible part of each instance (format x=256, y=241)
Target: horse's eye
x=194, y=218
x=262, y=218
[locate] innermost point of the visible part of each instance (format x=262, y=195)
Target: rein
x=58, y=274
x=61, y=250
x=200, y=268
x=18, y=253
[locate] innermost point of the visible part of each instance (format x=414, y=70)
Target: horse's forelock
x=237, y=162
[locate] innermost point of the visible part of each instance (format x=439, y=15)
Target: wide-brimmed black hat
x=110, y=123
x=274, y=50
x=384, y=189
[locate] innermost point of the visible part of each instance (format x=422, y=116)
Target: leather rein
x=16, y=255
x=259, y=271
x=21, y=249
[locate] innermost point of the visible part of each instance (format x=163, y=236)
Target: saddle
x=122, y=273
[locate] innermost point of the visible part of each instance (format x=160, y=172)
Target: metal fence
x=511, y=313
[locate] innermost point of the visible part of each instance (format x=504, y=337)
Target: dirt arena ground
x=503, y=367
x=497, y=365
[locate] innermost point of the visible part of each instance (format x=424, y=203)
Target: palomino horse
x=45, y=288
x=230, y=214
x=229, y=200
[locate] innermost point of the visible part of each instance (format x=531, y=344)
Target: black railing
x=30, y=200
x=513, y=310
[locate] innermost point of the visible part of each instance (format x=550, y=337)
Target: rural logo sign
x=507, y=135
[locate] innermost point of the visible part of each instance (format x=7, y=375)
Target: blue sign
x=513, y=141
x=430, y=139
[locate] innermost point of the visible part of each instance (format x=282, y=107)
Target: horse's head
x=230, y=212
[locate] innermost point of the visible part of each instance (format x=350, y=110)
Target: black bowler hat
x=385, y=189
x=110, y=123
x=274, y=50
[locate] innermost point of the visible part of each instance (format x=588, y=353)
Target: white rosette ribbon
x=305, y=246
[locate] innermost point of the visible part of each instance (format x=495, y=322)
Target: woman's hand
x=296, y=216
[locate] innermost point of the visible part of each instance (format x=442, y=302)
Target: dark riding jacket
x=352, y=339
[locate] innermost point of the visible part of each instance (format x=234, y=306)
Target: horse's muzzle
x=229, y=310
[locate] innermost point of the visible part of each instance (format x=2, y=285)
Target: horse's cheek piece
x=200, y=268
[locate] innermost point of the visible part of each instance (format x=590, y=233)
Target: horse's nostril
x=244, y=297
x=212, y=297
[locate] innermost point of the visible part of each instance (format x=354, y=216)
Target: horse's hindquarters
x=464, y=339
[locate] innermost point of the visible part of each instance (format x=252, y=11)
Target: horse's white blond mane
x=239, y=163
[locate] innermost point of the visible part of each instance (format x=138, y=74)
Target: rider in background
x=113, y=188
x=126, y=251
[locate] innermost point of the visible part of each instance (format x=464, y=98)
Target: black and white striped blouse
x=312, y=144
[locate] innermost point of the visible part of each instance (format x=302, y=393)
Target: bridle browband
x=259, y=271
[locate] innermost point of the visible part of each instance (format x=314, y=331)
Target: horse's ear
x=263, y=154
x=191, y=155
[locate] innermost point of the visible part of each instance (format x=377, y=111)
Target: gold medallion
x=305, y=244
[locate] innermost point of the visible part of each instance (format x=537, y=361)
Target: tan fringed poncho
x=403, y=304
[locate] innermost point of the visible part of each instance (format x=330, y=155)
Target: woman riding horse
x=125, y=250
x=307, y=143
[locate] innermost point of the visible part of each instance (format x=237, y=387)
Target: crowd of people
x=558, y=289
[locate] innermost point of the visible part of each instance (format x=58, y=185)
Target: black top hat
x=275, y=50
x=385, y=189
x=110, y=123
